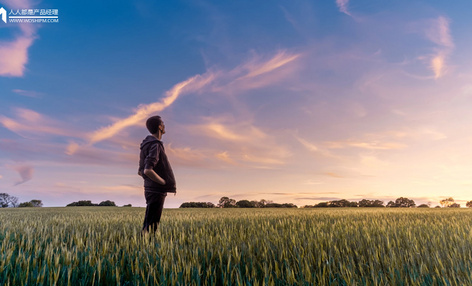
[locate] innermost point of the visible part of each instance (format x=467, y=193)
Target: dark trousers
x=155, y=204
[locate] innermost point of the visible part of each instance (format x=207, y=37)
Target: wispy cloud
x=142, y=112
x=373, y=145
x=334, y=175
x=29, y=122
x=432, y=133
x=15, y=53
x=225, y=157
x=218, y=129
x=14, y=56
x=440, y=34
x=212, y=80
x=91, y=155
x=317, y=198
x=308, y=145
x=25, y=172
x=343, y=6
x=187, y=156
x=28, y=93
x=260, y=71
x=242, y=142
x=256, y=68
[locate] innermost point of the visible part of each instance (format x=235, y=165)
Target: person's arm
x=154, y=176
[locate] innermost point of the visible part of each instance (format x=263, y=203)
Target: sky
x=291, y=101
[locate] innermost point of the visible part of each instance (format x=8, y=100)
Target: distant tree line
x=88, y=203
x=31, y=204
x=398, y=203
x=106, y=203
x=197, y=205
x=226, y=202
x=7, y=200
x=449, y=203
x=402, y=202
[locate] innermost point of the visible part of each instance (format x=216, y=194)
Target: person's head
x=155, y=124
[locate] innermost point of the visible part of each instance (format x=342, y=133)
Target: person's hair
x=153, y=123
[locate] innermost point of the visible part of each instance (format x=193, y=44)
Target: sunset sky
x=289, y=101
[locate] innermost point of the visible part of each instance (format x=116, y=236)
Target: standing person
x=156, y=172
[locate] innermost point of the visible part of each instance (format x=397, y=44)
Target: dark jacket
x=153, y=156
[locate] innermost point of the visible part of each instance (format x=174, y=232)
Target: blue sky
x=290, y=101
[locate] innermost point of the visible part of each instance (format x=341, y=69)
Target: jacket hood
x=149, y=139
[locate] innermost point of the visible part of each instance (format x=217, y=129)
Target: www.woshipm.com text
x=33, y=20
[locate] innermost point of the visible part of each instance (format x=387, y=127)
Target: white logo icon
x=3, y=12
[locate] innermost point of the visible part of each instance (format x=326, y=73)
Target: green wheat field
x=103, y=246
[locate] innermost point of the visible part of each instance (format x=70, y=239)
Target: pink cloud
x=257, y=68
x=14, y=56
x=15, y=53
x=372, y=145
x=187, y=156
x=211, y=80
x=29, y=122
x=342, y=5
x=17, y=4
x=252, y=148
x=25, y=172
x=90, y=155
x=142, y=112
x=440, y=34
x=28, y=93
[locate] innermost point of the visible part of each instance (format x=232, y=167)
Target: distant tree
x=209, y=205
x=13, y=201
x=437, y=207
x=37, y=203
x=353, y=205
x=321, y=205
x=289, y=205
x=391, y=204
x=107, y=203
x=371, y=203
x=256, y=204
x=423, y=206
x=245, y=204
x=127, y=206
x=454, y=205
x=378, y=204
x=197, y=205
x=262, y=203
x=446, y=202
x=469, y=204
x=31, y=204
x=81, y=204
x=6, y=200
x=365, y=203
x=401, y=203
x=226, y=202
x=277, y=205
x=273, y=205
x=342, y=203
x=26, y=205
